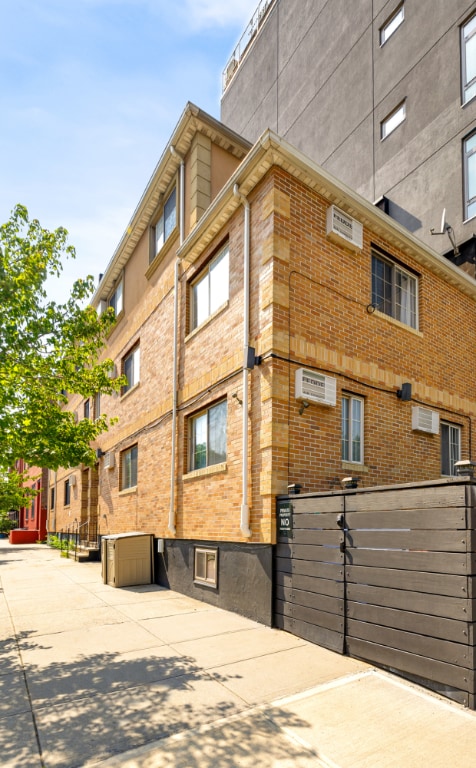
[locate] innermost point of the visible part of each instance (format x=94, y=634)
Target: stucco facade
x=321, y=74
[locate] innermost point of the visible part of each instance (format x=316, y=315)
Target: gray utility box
x=127, y=559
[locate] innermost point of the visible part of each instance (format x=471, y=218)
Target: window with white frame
x=131, y=368
x=211, y=290
x=115, y=299
x=208, y=437
x=392, y=24
x=450, y=436
x=469, y=151
x=392, y=121
x=165, y=224
x=129, y=468
x=352, y=429
x=394, y=290
x=86, y=409
x=205, y=568
x=468, y=59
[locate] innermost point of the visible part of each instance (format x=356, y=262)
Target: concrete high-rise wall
x=317, y=74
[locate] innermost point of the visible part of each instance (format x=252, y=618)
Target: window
x=392, y=24
x=97, y=406
x=205, y=568
x=468, y=59
x=52, y=498
x=450, y=447
x=129, y=468
x=352, y=429
x=115, y=299
x=208, y=437
x=86, y=409
x=67, y=493
x=211, y=290
x=470, y=176
x=392, y=121
x=131, y=369
x=394, y=291
x=165, y=225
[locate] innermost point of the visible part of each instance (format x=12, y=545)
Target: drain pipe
x=171, y=525
x=245, y=510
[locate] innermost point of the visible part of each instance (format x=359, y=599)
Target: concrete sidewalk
x=142, y=677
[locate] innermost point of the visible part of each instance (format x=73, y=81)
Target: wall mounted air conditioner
x=315, y=387
x=112, y=373
x=109, y=460
x=343, y=229
x=72, y=481
x=425, y=420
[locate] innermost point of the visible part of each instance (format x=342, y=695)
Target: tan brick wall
x=309, y=300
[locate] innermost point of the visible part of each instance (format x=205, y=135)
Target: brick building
x=275, y=329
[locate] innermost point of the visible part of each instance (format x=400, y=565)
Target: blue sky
x=90, y=92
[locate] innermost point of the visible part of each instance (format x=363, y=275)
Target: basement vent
x=315, y=387
x=109, y=460
x=425, y=420
x=343, y=229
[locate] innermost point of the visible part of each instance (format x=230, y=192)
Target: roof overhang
x=192, y=121
x=271, y=150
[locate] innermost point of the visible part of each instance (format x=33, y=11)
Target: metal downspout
x=171, y=525
x=245, y=510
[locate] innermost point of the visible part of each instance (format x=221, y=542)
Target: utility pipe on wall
x=171, y=525
x=245, y=510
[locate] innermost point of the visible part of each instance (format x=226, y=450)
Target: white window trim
x=392, y=24
x=119, y=293
x=397, y=268
x=395, y=118
x=206, y=552
x=159, y=243
x=466, y=155
x=350, y=398
x=122, y=456
x=458, y=430
x=205, y=275
x=467, y=87
x=191, y=422
x=135, y=354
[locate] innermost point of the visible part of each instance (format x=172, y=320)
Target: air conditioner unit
x=72, y=481
x=425, y=420
x=315, y=387
x=343, y=229
x=109, y=460
x=75, y=416
x=112, y=373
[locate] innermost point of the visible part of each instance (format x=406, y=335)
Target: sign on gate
x=285, y=516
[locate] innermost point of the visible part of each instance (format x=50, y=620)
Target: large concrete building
x=378, y=92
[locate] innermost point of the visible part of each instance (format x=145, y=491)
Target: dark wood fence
x=386, y=575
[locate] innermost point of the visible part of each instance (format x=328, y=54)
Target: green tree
x=13, y=495
x=47, y=350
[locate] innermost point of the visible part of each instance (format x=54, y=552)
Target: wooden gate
x=386, y=575
x=309, y=570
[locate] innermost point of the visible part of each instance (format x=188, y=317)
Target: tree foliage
x=14, y=492
x=47, y=349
